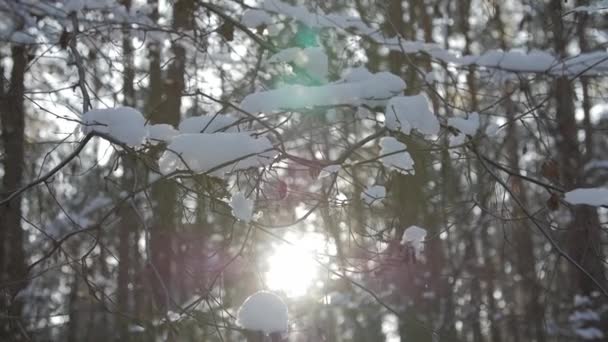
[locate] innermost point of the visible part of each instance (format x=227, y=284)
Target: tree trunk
x=164, y=193
x=529, y=289
x=127, y=229
x=583, y=231
x=12, y=258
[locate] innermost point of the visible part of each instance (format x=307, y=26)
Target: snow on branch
x=207, y=124
x=407, y=113
x=125, y=124
x=242, y=207
x=161, y=132
x=371, y=89
x=218, y=153
x=599, y=6
x=414, y=236
x=263, y=311
x=395, y=156
x=534, y=61
x=467, y=126
x=590, y=196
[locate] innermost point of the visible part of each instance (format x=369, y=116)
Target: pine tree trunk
x=583, y=231
x=530, y=304
x=12, y=258
x=127, y=229
x=164, y=193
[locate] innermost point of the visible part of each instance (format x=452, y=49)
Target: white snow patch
x=589, y=333
x=457, y=140
x=407, y=113
x=23, y=38
x=580, y=300
x=589, y=63
x=590, y=196
x=599, y=6
x=374, y=195
x=161, y=132
x=254, y=18
x=430, y=77
x=467, y=126
x=135, y=328
x=203, y=152
x=207, y=124
x=414, y=236
x=124, y=124
x=515, y=60
x=596, y=164
x=584, y=315
x=242, y=208
x=299, y=13
x=263, y=311
x=74, y=5
x=356, y=74
x=373, y=90
x=395, y=155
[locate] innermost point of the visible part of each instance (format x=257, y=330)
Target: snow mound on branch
x=263, y=311
x=584, y=319
x=356, y=74
x=457, y=140
x=22, y=38
x=299, y=13
x=74, y=5
x=466, y=126
x=406, y=113
x=374, y=86
x=514, y=60
x=584, y=315
x=414, y=236
x=319, y=19
x=596, y=164
x=161, y=132
x=599, y=6
x=312, y=59
x=589, y=333
x=204, y=152
x=534, y=61
x=242, y=208
x=254, y=18
x=590, y=196
x=580, y=300
x=373, y=90
x=124, y=124
x=207, y=124
x=537, y=61
x=395, y=155
x=374, y=195
x=79, y=5
x=589, y=63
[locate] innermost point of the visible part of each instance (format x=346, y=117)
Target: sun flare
x=293, y=268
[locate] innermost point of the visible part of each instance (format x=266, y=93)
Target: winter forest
x=306, y=171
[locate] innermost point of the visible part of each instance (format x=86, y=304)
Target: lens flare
x=292, y=268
